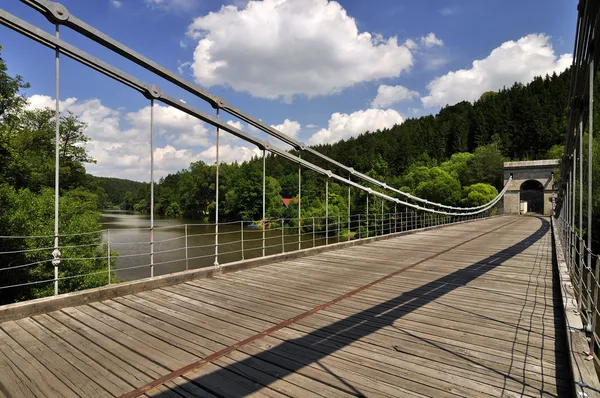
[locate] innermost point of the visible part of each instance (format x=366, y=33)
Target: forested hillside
x=448, y=157
x=524, y=121
x=120, y=192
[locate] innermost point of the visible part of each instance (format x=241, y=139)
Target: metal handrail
x=58, y=15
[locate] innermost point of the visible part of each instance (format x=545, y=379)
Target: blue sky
x=318, y=70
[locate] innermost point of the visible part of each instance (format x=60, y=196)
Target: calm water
x=129, y=235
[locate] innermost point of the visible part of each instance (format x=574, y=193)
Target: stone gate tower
x=531, y=188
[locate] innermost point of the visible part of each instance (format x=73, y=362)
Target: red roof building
x=288, y=201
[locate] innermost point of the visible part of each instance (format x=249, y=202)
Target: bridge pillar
x=531, y=188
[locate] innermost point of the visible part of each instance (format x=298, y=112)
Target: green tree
x=26, y=213
x=556, y=152
x=27, y=156
x=478, y=194
x=486, y=166
x=440, y=187
x=458, y=166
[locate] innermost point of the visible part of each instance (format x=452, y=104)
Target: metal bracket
x=54, y=12
x=56, y=257
x=153, y=92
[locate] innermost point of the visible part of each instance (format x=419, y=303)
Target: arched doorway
x=532, y=192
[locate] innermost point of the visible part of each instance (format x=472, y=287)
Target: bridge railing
x=127, y=254
x=59, y=252
x=574, y=215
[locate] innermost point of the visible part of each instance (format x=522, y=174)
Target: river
x=129, y=236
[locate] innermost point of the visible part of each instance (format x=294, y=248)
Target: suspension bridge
x=425, y=300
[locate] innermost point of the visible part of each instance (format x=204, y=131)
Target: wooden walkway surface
x=466, y=310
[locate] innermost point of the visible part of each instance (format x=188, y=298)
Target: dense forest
x=454, y=157
x=120, y=193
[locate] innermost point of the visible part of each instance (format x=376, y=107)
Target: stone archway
x=529, y=175
x=532, y=193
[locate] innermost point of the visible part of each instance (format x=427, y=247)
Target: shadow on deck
x=327, y=340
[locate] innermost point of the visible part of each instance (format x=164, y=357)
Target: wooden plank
x=286, y=292
x=295, y=385
x=224, y=382
x=180, y=387
x=337, y=306
x=323, y=371
x=108, y=381
x=94, y=349
x=424, y=351
x=78, y=383
x=178, y=339
x=435, y=376
x=397, y=333
x=14, y=382
x=179, y=321
x=420, y=351
x=121, y=348
x=272, y=309
x=221, y=321
x=142, y=340
x=402, y=380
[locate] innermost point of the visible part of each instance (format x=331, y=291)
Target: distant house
x=288, y=201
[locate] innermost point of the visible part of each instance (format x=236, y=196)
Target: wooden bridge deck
x=466, y=310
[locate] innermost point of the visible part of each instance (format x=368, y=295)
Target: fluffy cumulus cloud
x=343, y=126
x=431, y=40
x=513, y=61
x=229, y=153
x=121, y=141
x=281, y=48
x=411, y=44
x=237, y=124
x=288, y=127
x=389, y=95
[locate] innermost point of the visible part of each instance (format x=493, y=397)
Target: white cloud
x=343, y=126
x=37, y=101
x=121, y=141
x=311, y=126
x=513, y=61
x=229, y=153
x=288, y=127
x=182, y=66
x=411, y=44
x=389, y=95
x=237, y=124
x=103, y=122
x=169, y=157
x=431, y=40
x=116, y=3
x=178, y=127
x=281, y=48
